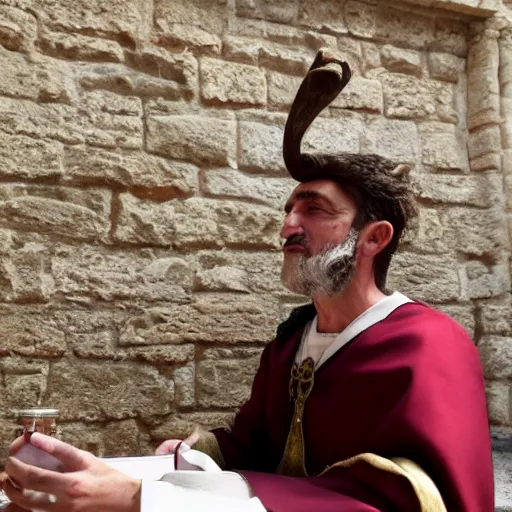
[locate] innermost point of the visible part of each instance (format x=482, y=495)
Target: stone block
x=433, y=279
x=361, y=18
x=225, y=383
x=398, y=60
x=474, y=232
x=277, y=32
x=241, y=49
x=78, y=47
x=235, y=352
x=468, y=190
x=498, y=401
x=112, y=120
x=30, y=335
x=41, y=121
x=327, y=16
x=444, y=66
x=185, y=385
x=427, y=236
x=403, y=28
x=17, y=365
x=230, y=183
x=349, y=50
x=58, y=211
x=209, y=318
x=371, y=56
x=282, y=89
x=506, y=127
x=463, y=314
x=261, y=147
x=485, y=140
x=47, y=81
x=180, y=426
x=381, y=136
x=227, y=82
x=27, y=158
x=119, y=276
x=340, y=135
x=496, y=318
x=197, y=222
x=18, y=29
x=19, y=391
x=408, y=97
x=102, y=346
x=89, y=166
x=483, y=83
x=361, y=94
x=285, y=59
x=209, y=16
x=180, y=71
x=92, y=391
x=496, y=354
x=256, y=272
x=488, y=162
x=25, y=276
x=284, y=11
x=195, y=138
x=180, y=37
x=128, y=19
x=180, y=68
x=505, y=65
x=451, y=36
x=487, y=281
x=114, y=439
x=9, y=431
x=444, y=146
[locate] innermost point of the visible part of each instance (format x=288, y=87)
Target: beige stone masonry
x=142, y=192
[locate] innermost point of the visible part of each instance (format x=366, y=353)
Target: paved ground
x=502, y=455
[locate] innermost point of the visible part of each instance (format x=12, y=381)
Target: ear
x=374, y=237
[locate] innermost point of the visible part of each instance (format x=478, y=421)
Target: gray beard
x=327, y=272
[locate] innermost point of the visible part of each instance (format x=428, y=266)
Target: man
x=364, y=402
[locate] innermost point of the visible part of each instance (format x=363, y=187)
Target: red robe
x=409, y=386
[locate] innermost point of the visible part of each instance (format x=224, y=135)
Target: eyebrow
x=305, y=195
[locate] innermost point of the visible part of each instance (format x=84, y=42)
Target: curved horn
x=324, y=80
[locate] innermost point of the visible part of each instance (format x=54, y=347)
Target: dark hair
x=381, y=190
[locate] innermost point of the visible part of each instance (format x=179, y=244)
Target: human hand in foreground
x=88, y=485
x=168, y=447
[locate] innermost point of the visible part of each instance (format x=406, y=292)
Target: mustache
x=296, y=240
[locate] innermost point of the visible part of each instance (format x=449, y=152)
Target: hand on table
x=88, y=485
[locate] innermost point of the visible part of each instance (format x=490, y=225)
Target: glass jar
x=38, y=419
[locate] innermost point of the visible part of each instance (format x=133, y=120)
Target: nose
x=291, y=225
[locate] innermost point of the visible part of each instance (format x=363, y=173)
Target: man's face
x=318, y=237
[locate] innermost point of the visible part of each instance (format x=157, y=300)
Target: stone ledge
x=477, y=8
x=502, y=457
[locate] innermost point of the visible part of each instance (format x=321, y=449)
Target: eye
x=313, y=208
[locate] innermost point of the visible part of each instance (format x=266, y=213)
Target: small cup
x=38, y=420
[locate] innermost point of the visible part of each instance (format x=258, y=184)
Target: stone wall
x=141, y=192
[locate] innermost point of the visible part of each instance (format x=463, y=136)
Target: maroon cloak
x=409, y=386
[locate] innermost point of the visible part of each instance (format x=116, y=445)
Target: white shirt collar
x=365, y=320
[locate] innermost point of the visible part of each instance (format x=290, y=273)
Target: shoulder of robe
x=298, y=318
x=432, y=325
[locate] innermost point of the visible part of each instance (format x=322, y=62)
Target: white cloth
x=166, y=497
x=317, y=342
x=365, y=320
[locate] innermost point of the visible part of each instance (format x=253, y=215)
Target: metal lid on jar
x=37, y=412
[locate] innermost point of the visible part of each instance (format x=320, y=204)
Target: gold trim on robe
x=428, y=495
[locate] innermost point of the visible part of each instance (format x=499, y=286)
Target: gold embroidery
x=301, y=383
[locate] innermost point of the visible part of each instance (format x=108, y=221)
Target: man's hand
x=168, y=447
x=88, y=485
